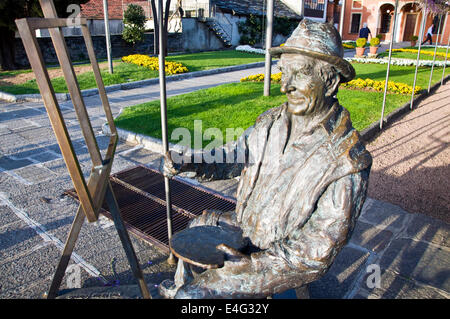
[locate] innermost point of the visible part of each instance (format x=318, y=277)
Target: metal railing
x=314, y=8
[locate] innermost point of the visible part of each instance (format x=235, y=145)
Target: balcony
x=314, y=8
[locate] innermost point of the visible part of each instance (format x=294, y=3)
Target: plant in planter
x=414, y=39
x=374, y=43
x=360, y=43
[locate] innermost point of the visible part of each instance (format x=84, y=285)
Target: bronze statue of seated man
x=302, y=185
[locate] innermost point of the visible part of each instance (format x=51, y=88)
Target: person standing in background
x=429, y=35
x=364, y=32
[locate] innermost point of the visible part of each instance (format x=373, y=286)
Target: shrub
x=379, y=36
x=374, y=42
x=361, y=42
x=251, y=30
x=414, y=38
x=134, y=24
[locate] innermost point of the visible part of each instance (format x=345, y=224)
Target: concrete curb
x=367, y=135
x=61, y=97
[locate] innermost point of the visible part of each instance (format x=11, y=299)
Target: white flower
x=397, y=61
x=247, y=48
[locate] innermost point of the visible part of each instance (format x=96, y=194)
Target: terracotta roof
x=94, y=8
x=256, y=7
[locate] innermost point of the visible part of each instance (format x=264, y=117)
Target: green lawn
x=125, y=72
x=238, y=105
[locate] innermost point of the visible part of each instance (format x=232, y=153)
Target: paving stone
x=35, y=173
x=394, y=286
x=370, y=237
x=338, y=281
x=37, y=135
x=29, y=153
x=25, y=271
x=4, y=130
x=45, y=157
x=7, y=163
x=7, y=216
x=428, y=229
x=13, y=143
x=16, y=239
x=383, y=215
x=420, y=261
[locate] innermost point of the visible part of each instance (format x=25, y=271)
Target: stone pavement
x=409, y=251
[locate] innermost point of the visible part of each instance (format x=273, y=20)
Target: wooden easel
x=98, y=187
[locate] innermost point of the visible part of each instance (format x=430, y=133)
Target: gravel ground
x=411, y=159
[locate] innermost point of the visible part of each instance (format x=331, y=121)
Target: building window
x=356, y=21
x=385, y=23
x=356, y=4
x=436, y=24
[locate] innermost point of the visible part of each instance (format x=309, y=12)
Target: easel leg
x=67, y=252
x=126, y=242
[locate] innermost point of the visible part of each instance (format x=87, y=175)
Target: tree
x=134, y=24
x=10, y=10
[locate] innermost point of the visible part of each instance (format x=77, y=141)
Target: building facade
x=379, y=16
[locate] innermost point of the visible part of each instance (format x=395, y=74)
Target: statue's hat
x=318, y=40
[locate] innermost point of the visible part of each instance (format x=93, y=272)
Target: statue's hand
x=168, y=169
x=235, y=261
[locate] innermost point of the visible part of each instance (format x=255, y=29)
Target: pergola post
x=445, y=63
x=268, y=61
x=434, y=57
x=389, y=64
x=107, y=36
x=422, y=29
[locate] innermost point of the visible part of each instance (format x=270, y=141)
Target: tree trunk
x=7, y=49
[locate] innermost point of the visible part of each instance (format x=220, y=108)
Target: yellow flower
x=152, y=63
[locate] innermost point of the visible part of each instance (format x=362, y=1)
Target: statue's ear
x=332, y=85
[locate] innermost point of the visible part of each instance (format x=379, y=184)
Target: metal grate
x=140, y=194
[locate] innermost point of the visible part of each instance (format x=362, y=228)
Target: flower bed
x=430, y=53
x=152, y=63
x=397, y=61
x=276, y=78
x=393, y=87
x=348, y=46
x=247, y=48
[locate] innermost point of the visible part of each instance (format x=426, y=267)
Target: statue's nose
x=286, y=87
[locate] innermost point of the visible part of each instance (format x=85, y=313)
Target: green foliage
x=379, y=36
x=414, y=38
x=251, y=30
x=134, y=24
x=374, y=42
x=361, y=42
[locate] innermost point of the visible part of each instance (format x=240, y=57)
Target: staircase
x=218, y=23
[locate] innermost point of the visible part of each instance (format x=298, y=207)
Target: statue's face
x=304, y=88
